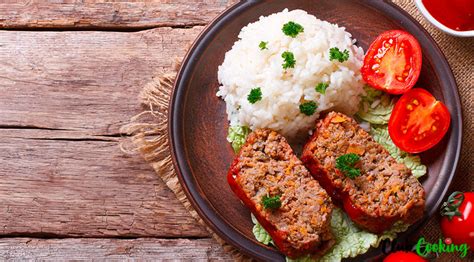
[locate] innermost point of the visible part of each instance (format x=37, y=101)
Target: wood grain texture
x=108, y=15
x=84, y=81
x=64, y=96
x=112, y=249
x=55, y=185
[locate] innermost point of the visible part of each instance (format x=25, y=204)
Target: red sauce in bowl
x=455, y=14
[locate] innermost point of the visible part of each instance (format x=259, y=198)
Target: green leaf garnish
x=292, y=29
x=336, y=54
x=263, y=45
x=308, y=108
x=321, y=88
x=345, y=164
x=271, y=202
x=254, y=95
x=289, y=60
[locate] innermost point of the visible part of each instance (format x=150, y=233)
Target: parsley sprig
x=254, y=95
x=263, y=45
x=321, y=87
x=336, y=54
x=308, y=108
x=271, y=202
x=289, y=59
x=346, y=164
x=292, y=29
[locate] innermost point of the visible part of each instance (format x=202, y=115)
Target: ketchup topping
x=455, y=14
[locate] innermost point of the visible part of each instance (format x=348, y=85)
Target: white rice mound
x=246, y=67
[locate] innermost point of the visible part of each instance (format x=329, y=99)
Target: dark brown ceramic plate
x=198, y=121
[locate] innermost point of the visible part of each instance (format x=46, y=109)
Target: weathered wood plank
x=112, y=249
x=110, y=14
x=55, y=184
x=85, y=81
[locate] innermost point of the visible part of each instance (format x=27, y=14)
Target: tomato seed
x=409, y=107
x=399, y=78
x=416, y=102
x=375, y=66
x=433, y=128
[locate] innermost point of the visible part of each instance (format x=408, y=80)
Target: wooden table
x=70, y=74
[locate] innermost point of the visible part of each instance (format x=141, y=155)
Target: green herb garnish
x=336, y=54
x=308, y=108
x=321, y=88
x=271, y=202
x=289, y=60
x=345, y=164
x=292, y=29
x=255, y=95
x=263, y=45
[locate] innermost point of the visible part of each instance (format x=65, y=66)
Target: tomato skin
x=403, y=256
x=418, y=121
x=461, y=228
x=393, y=62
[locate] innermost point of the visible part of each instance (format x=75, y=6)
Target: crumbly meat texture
x=384, y=193
x=267, y=166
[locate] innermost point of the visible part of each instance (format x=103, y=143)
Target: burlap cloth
x=148, y=130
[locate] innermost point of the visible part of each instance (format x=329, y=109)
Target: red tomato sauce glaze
x=455, y=14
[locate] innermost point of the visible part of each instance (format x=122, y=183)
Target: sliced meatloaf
x=385, y=191
x=298, y=220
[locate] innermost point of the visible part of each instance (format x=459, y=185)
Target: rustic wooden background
x=70, y=74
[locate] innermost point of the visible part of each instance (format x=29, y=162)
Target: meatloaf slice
x=266, y=167
x=385, y=191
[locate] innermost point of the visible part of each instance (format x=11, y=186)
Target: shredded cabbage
x=237, y=135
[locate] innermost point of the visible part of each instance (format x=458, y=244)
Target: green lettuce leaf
x=375, y=107
x=381, y=135
x=391, y=234
x=237, y=136
x=351, y=241
x=260, y=233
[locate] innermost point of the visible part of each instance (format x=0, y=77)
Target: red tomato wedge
x=418, y=121
x=393, y=62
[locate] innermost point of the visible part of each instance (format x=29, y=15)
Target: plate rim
x=192, y=190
